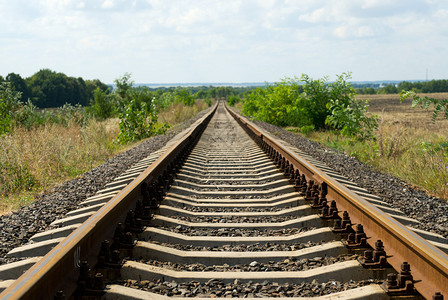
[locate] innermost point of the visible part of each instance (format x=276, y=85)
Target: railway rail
x=227, y=210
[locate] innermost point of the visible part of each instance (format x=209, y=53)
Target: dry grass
x=32, y=160
x=409, y=145
x=179, y=112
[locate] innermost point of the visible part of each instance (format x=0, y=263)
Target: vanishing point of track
x=227, y=210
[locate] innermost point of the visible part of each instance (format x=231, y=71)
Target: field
x=391, y=110
x=409, y=145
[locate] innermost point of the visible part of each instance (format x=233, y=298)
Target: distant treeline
x=48, y=88
x=433, y=86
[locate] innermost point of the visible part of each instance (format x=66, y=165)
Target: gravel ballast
x=432, y=212
x=234, y=232
x=286, y=265
x=217, y=288
x=257, y=247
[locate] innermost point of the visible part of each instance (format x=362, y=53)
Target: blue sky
x=161, y=41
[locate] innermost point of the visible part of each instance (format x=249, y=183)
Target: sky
x=175, y=41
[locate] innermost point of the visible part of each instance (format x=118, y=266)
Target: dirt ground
x=391, y=110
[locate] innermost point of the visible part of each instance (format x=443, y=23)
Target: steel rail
x=59, y=269
x=429, y=264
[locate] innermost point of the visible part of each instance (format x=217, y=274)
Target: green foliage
x=124, y=84
x=201, y=94
x=307, y=129
x=352, y=119
x=223, y=92
x=208, y=101
x=432, y=86
x=233, y=99
x=19, y=84
x=277, y=104
x=68, y=114
x=139, y=121
x=102, y=105
x=440, y=147
x=52, y=89
x=9, y=104
x=438, y=105
x=317, y=103
x=165, y=100
x=29, y=116
x=184, y=96
x=289, y=103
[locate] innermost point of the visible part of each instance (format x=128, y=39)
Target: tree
x=124, y=84
x=52, y=89
x=19, y=85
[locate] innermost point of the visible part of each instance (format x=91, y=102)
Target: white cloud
x=107, y=4
x=230, y=40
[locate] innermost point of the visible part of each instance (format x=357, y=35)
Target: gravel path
x=17, y=227
x=431, y=211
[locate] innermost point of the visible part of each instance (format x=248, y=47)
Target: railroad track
x=226, y=210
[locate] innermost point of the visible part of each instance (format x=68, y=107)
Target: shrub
x=232, y=100
x=9, y=104
x=352, y=119
x=307, y=129
x=102, y=105
x=184, y=96
x=289, y=103
x=139, y=121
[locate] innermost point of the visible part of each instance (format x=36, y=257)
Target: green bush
x=275, y=104
x=184, y=96
x=314, y=104
x=307, y=129
x=352, y=119
x=102, y=106
x=139, y=121
x=9, y=104
x=233, y=99
x=165, y=100
x=290, y=103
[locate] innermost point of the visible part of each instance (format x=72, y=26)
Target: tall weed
x=36, y=158
x=413, y=155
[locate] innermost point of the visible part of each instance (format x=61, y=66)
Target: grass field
x=34, y=160
x=409, y=145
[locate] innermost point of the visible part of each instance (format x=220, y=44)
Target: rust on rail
x=429, y=264
x=59, y=268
